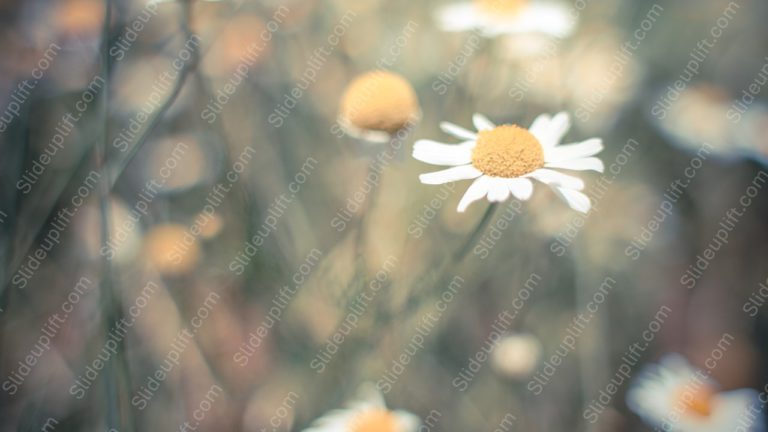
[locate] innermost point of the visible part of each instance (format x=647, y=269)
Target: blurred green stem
x=451, y=262
x=458, y=257
x=117, y=380
x=592, y=370
x=190, y=65
x=362, y=224
x=361, y=265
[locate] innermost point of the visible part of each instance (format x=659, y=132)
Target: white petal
x=370, y=136
x=558, y=127
x=551, y=135
x=482, y=123
x=435, y=153
x=584, y=164
x=575, y=199
x=551, y=18
x=408, y=422
x=537, y=17
x=555, y=178
x=476, y=191
x=458, y=131
x=521, y=188
x=499, y=190
x=457, y=17
x=463, y=172
x=583, y=149
x=738, y=407
x=540, y=125
x=368, y=397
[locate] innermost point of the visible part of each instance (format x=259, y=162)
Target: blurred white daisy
x=503, y=17
x=378, y=105
x=673, y=396
x=368, y=413
x=504, y=159
x=517, y=355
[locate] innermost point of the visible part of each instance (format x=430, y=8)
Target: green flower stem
x=458, y=257
x=453, y=261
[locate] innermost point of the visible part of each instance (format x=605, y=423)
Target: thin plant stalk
x=117, y=379
x=190, y=65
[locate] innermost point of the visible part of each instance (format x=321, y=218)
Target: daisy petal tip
x=580, y=164
x=575, y=199
x=482, y=122
x=476, y=191
x=596, y=143
x=497, y=197
x=582, y=207
x=600, y=166
x=563, y=119
x=421, y=143
x=437, y=153
x=417, y=146
x=462, y=172
x=419, y=156
x=431, y=179
x=522, y=188
x=457, y=131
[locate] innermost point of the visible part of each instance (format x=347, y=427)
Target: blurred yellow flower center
x=507, y=151
x=78, y=16
x=374, y=421
x=170, y=250
x=380, y=101
x=501, y=7
x=239, y=45
x=696, y=401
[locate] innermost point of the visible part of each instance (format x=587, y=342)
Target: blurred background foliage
x=577, y=69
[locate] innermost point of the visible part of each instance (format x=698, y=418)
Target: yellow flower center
x=507, y=151
x=374, y=421
x=697, y=401
x=501, y=7
x=380, y=101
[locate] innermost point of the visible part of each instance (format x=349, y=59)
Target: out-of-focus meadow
x=190, y=241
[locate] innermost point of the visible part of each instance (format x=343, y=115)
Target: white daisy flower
x=503, y=17
x=673, y=396
x=367, y=414
x=377, y=105
x=505, y=159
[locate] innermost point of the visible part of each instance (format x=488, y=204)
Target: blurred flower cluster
x=244, y=215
